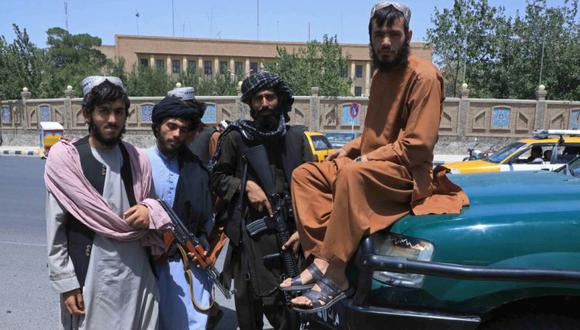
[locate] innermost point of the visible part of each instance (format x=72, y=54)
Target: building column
x=184, y=65
x=216, y=66
x=168, y=65
x=367, y=79
x=352, y=76
x=464, y=105
x=541, y=108
x=232, y=68
x=200, y=65
x=152, y=61
x=247, y=73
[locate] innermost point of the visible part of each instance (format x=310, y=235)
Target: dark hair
x=106, y=92
x=388, y=14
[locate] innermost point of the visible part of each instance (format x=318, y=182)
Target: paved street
x=27, y=300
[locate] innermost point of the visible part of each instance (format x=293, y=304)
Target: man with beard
x=205, y=137
x=256, y=281
x=181, y=180
x=101, y=221
x=379, y=177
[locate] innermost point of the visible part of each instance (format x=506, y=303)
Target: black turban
x=173, y=107
x=264, y=80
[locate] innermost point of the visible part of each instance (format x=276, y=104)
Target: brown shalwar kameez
x=336, y=203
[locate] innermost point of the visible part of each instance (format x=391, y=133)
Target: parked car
x=339, y=139
x=546, y=150
x=510, y=260
x=319, y=145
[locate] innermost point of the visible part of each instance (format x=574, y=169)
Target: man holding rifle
x=181, y=181
x=251, y=174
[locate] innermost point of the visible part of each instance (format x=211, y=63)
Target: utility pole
x=137, y=20
x=66, y=15
x=258, y=19
x=173, y=17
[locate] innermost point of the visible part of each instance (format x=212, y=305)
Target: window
x=176, y=66
x=191, y=66
x=239, y=68
x=344, y=71
x=144, y=62
x=223, y=67
x=160, y=64
x=358, y=69
x=320, y=142
x=207, y=69
x=357, y=91
x=253, y=67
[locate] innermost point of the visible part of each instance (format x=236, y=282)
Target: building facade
x=234, y=57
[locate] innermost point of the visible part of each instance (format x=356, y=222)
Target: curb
x=19, y=152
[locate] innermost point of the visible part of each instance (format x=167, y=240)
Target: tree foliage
x=500, y=56
x=319, y=64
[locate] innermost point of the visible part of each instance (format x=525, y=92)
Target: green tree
x=211, y=85
x=22, y=64
x=464, y=41
x=502, y=57
x=71, y=58
x=145, y=81
x=319, y=64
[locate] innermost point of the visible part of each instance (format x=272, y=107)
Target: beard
x=266, y=120
x=99, y=136
x=399, y=61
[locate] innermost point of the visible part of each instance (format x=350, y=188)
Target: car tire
x=540, y=321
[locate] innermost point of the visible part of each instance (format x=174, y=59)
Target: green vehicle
x=511, y=260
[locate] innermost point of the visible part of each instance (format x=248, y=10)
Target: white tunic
x=120, y=290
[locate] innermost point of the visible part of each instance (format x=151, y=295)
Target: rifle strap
x=189, y=276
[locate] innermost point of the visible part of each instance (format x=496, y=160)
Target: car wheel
x=541, y=321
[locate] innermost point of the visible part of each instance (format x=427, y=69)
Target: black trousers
x=250, y=309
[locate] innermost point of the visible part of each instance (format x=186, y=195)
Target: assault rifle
x=192, y=245
x=257, y=158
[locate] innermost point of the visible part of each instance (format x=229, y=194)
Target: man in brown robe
x=384, y=174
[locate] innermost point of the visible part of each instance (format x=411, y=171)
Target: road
x=26, y=299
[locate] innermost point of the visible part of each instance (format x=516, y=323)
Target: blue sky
x=235, y=19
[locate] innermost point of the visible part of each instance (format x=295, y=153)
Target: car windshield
x=339, y=139
x=504, y=152
x=320, y=142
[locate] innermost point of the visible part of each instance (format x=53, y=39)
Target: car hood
x=497, y=198
x=470, y=165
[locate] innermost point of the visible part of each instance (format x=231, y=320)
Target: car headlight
x=406, y=247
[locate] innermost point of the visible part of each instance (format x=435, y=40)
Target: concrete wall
x=490, y=122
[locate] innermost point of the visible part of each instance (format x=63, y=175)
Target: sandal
x=296, y=282
x=328, y=295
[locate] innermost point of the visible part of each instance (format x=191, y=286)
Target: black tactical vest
x=79, y=236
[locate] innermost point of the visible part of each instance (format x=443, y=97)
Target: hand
x=73, y=300
x=257, y=197
x=361, y=159
x=338, y=153
x=137, y=216
x=294, y=242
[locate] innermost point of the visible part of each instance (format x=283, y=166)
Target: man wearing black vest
x=100, y=220
x=181, y=179
x=256, y=279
